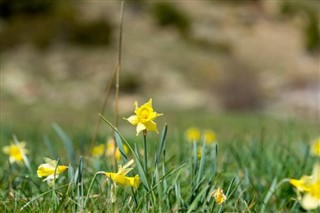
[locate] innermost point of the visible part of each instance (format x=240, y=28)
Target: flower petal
x=133, y=119
x=45, y=170
x=149, y=103
x=302, y=185
x=136, y=107
x=134, y=182
x=48, y=169
x=50, y=162
x=155, y=115
x=151, y=126
x=309, y=202
x=140, y=127
x=61, y=169
x=6, y=150
x=50, y=178
x=316, y=172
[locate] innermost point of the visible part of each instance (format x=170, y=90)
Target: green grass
x=251, y=162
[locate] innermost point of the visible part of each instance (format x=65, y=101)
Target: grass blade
x=120, y=146
x=202, y=161
x=162, y=143
x=269, y=194
x=194, y=204
x=67, y=143
x=51, y=149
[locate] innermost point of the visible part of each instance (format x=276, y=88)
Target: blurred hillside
x=257, y=56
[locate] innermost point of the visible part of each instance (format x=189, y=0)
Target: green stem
x=54, y=195
x=90, y=187
x=145, y=152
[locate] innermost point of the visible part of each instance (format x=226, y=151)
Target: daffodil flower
x=121, y=178
x=144, y=117
x=192, y=134
x=16, y=152
x=315, y=147
x=310, y=186
x=210, y=136
x=311, y=199
x=108, y=150
x=50, y=170
x=98, y=150
x=219, y=196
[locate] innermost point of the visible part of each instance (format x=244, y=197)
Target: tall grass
x=252, y=171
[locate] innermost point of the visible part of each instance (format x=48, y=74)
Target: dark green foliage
x=312, y=33
x=93, y=33
x=166, y=14
x=11, y=8
x=130, y=83
x=45, y=24
x=309, y=11
x=235, y=2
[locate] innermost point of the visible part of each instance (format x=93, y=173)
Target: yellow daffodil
x=303, y=184
x=98, y=150
x=49, y=168
x=219, y=196
x=108, y=150
x=210, y=136
x=192, y=134
x=315, y=147
x=121, y=178
x=310, y=186
x=144, y=117
x=16, y=152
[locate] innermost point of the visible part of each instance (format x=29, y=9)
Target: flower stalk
x=145, y=165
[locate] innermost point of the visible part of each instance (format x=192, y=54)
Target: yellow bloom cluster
x=219, y=196
x=310, y=186
x=50, y=170
x=315, y=147
x=193, y=134
x=121, y=178
x=16, y=152
x=144, y=117
x=108, y=149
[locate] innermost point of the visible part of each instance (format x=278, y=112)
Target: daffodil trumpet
x=120, y=178
x=51, y=170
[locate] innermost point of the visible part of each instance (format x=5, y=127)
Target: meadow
x=250, y=157
x=240, y=157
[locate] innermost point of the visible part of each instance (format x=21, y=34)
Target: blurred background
x=197, y=59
